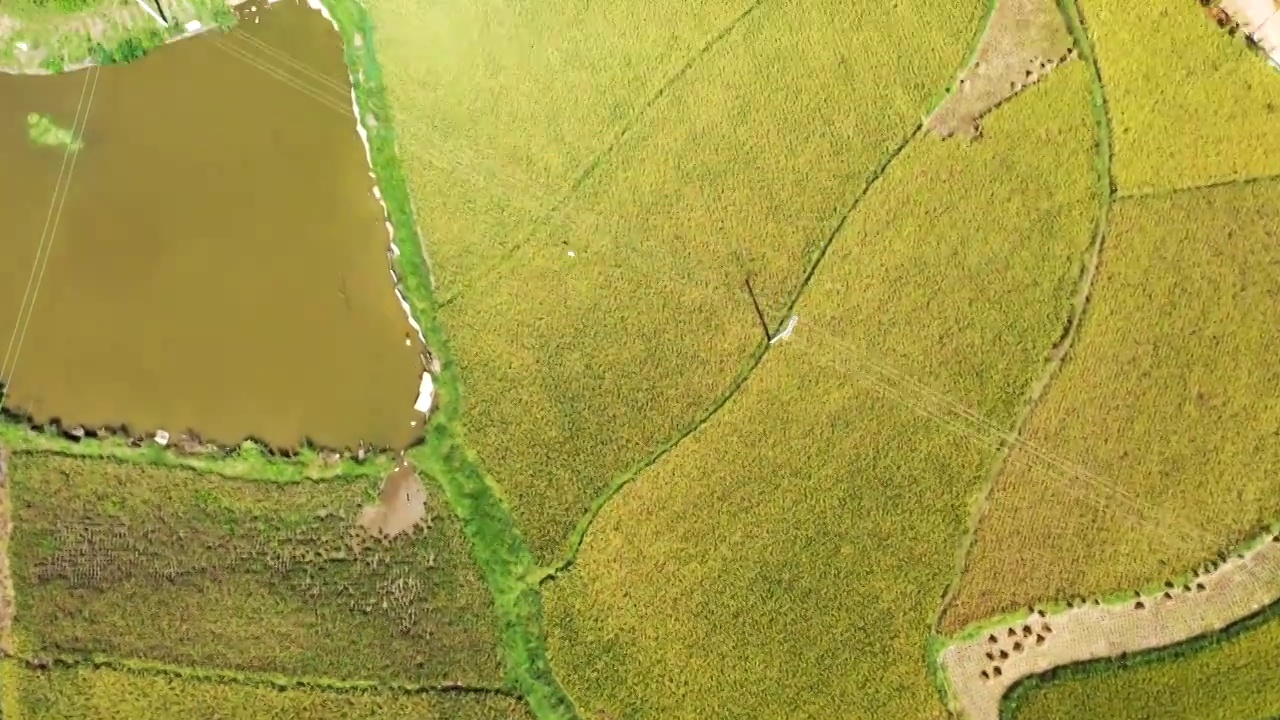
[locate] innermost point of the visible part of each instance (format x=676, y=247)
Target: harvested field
x=64, y=693
x=787, y=559
x=981, y=669
x=669, y=165
x=1155, y=448
x=1024, y=41
x=1227, y=676
x=1190, y=105
x=242, y=576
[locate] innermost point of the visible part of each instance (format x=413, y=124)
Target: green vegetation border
x=1017, y=695
x=504, y=557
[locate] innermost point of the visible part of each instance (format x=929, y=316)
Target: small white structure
x=192, y=26
x=426, y=391
x=162, y=437
x=22, y=46
x=786, y=332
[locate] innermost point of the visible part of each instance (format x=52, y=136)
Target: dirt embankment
x=1024, y=41
x=980, y=671
x=401, y=506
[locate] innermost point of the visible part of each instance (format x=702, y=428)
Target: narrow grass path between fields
x=1073, y=16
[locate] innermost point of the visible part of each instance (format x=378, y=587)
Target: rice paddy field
x=78, y=692
x=1193, y=107
x=242, y=576
x=1154, y=450
x=780, y=351
x=807, y=571
x=598, y=294
x=1230, y=677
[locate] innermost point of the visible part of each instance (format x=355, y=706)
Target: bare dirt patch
x=981, y=670
x=401, y=506
x=1261, y=20
x=1023, y=42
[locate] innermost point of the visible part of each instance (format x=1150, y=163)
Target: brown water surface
x=219, y=261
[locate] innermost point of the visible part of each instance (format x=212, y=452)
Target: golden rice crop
x=1161, y=427
x=788, y=558
x=619, y=318
x=1189, y=104
x=60, y=693
x=1225, y=676
x=167, y=565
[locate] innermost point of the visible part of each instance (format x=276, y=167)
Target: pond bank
x=118, y=31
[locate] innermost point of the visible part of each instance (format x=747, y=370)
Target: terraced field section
x=100, y=693
x=195, y=265
x=1193, y=107
x=1155, y=449
x=1224, y=677
x=787, y=559
x=297, y=579
x=596, y=186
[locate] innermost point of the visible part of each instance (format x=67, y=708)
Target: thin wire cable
x=53, y=233
x=44, y=232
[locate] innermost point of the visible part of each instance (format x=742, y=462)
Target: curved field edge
x=1061, y=351
x=1191, y=609
x=584, y=525
x=575, y=541
x=499, y=548
x=1030, y=695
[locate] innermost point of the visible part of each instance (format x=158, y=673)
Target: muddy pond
x=217, y=261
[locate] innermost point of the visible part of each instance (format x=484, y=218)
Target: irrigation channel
x=213, y=258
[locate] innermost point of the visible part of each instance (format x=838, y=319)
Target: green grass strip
x=498, y=547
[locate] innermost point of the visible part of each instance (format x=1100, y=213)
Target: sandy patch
x=1261, y=20
x=401, y=506
x=981, y=670
x=1023, y=42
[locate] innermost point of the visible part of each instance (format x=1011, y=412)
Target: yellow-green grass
x=1233, y=675
x=1189, y=104
x=165, y=565
x=106, y=694
x=577, y=368
x=788, y=558
x=1156, y=446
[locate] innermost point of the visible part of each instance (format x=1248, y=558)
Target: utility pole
x=764, y=324
x=161, y=11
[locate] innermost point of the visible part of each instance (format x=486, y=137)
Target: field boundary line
x=584, y=525
x=1167, y=192
x=1078, y=312
x=601, y=156
x=274, y=681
